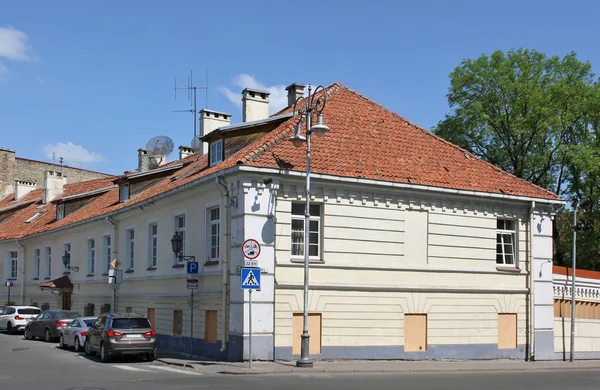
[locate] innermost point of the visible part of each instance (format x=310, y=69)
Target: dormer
x=137, y=182
x=69, y=204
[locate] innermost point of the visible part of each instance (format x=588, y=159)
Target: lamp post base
x=304, y=363
x=304, y=360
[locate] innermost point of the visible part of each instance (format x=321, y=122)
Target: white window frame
x=299, y=254
x=209, y=225
x=183, y=233
x=152, y=245
x=106, y=252
x=37, y=255
x=124, y=192
x=502, y=233
x=67, y=248
x=91, y=255
x=130, y=248
x=60, y=211
x=216, y=152
x=48, y=262
x=12, y=270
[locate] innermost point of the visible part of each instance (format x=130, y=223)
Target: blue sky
x=93, y=81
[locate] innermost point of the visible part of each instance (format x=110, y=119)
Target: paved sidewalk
x=209, y=367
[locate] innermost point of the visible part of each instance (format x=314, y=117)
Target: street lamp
x=304, y=114
x=177, y=246
x=66, y=259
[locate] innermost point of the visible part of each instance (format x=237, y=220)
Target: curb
x=187, y=365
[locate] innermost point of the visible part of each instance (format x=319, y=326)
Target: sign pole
x=9, y=284
x=192, y=323
x=114, y=300
x=250, y=328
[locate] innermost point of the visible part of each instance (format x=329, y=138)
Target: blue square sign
x=192, y=267
x=250, y=278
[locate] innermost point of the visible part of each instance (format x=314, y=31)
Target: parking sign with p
x=192, y=267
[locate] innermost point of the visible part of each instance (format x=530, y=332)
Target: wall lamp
x=177, y=246
x=66, y=259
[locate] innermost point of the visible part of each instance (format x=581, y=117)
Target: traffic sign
x=115, y=286
x=192, y=282
x=192, y=267
x=9, y=283
x=250, y=278
x=251, y=248
x=115, y=263
x=251, y=263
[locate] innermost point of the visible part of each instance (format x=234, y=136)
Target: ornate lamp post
x=303, y=112
x=66, y=259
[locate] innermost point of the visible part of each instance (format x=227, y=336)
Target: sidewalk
x=209, y=367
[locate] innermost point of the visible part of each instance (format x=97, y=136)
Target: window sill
x=179, y=265
x=301, y=261
x=105, y=274
x=66, y=272
x=508, y=269
x=130, y=271
x=90, y=275
x=212, y=262
x=151, y=269
x=47, y=278
x=12, y=279
x=35, y=278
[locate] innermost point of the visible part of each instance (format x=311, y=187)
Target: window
x=48, y=267
x=13, y=264
x=36, y=264
x=123, y=192
x=180, y=228
x=213, y=230
x=131, y=249
x=152, y=245
x=216, y=152
x=505, y=242
x=314, y=241
x=60, y=211
x=106, y=252
x=67, y=250
x=91, y=247
x=177, y=323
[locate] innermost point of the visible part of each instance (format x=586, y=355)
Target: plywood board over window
x=210, y=326
x=507, y=330
x=314, y=331
x=415, y=332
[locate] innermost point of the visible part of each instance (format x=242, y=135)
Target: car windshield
x=66, y=314
x=29, y=311
x=89, y=322
x=130, y=323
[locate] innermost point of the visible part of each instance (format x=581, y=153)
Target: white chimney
x=185, y=151
x=22, y=188
x=255, y=105
x=54, y=183
x=294, y=92
x=210, y=121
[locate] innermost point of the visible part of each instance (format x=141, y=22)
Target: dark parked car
x=49, y=324
x=121, y=334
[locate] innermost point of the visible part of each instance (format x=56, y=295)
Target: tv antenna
x=192, y=92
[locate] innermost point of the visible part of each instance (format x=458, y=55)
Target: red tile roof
x=366, y=141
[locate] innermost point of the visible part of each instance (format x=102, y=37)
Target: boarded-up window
x=507, y=330
x=415, y=332
x=177, y=322
x=314, y=331
x=88, y=310
x=415, y=237
x=128, y=309
x=210, y=326
x=150, y=315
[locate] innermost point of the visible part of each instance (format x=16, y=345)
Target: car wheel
x=76, y=344
x=88, y=348
x=61, y=342
x=9, y=328
x=47, y=336
x=151, y=356
x=103, y=354
x=27, y=334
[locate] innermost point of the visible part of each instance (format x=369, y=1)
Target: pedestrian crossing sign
x=250, y=278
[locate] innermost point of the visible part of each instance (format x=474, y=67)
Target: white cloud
x=13, y=45
x=72, y=154
x=277, y=97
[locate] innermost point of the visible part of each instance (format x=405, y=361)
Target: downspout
x=531, y=284
x=226, y=252
x=22, y=271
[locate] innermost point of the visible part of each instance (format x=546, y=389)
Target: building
x=418, y=249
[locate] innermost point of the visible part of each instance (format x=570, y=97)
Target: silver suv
x=121, y=334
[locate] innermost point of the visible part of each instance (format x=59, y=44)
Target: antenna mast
x=192, y=89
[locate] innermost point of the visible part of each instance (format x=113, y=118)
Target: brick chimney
x=54, y=183
x=255, y=105
x=294, y=92
x=210, y=121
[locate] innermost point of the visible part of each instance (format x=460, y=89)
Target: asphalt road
x=29, y=365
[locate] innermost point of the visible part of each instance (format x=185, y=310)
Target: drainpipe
x=531, y=283
x=226, y=252
x=22, y=271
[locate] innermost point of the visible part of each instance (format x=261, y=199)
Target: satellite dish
x=160, y=146
x=196, y=144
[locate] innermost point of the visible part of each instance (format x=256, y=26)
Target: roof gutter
x=132, y=206
x=390, y=184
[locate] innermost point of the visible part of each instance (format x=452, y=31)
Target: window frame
x=106, y=252
x=67, y=249
x=48, y=262
x=152, y=245
x=216, y=152
x=124, y=192
x=209, y=234
x=60, y=211
x=130, y=249
x=37, y=257
x=314, y=217
x=91, y=256
x=501, y=233
x=13, y=265
x=183, y=233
